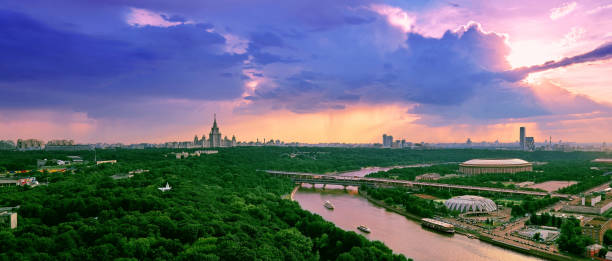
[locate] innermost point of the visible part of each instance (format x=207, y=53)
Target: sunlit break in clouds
x=142, y=17
x=395, y=16
x=562, y=11
x=313, y=71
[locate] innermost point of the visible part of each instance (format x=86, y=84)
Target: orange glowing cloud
x=362, y=124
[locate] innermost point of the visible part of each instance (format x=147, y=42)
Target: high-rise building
x=7, y=145
x=529, y=143
x=203, y=141
x=29, y=144
x=60, y=143
x=522, y=138
x=397, y=144
x=215, y=136
x=550, y=140
x=387, y=141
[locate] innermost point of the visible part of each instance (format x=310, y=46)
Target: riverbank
x=403, y=235
x=292, y=194
x=528, y=251
x=397, y=210
x=364, y=171
x=483, y=238
x=409, y=215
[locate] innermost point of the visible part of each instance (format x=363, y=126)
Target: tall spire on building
x=215, y=135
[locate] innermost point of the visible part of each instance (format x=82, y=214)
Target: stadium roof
x=468, y=203
x=603, y=160
x=495, y=162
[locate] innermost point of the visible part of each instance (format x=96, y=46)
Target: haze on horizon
x=309, y=71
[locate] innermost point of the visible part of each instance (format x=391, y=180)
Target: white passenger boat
x=364, y=229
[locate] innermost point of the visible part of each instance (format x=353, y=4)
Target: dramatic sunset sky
x=312, y=71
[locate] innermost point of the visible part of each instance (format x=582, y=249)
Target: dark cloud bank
x=45, y=67
x=462, y=76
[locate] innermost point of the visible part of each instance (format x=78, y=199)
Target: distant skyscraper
x=203, y=141
x=529, y=143
x=29, y=144
x=522, y=138
x=387, y=141
x=215, y=136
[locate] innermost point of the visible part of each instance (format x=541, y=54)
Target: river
x=399, y=233
x=367, y=170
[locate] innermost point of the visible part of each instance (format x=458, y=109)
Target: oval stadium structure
x=480, y=166
x=468, y=203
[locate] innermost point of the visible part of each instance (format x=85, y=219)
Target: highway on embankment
x=313, y=178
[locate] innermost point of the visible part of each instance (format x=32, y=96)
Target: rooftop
x=469, y=203
x=439, y=223
x=603, y=160
x=495, y=162
x=596, y=222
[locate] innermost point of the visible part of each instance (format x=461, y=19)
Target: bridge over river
x=312, y=178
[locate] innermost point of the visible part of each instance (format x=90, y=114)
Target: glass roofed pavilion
x=468, y=203
x=481, y=166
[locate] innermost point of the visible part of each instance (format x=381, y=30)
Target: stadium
x=469, y=203
x=480, y=166
x=602, y=161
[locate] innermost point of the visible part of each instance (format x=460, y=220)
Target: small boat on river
x=364, y=229
x=328, y=205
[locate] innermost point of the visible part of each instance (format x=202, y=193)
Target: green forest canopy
x=220, y=207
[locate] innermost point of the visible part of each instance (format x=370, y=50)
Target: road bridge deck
x=357, y=181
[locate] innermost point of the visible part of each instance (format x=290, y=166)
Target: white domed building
x=481, y=166
x=468, y=203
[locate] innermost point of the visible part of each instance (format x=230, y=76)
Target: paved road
x=599, y=188
x=347, y=180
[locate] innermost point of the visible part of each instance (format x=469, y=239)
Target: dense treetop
x=220, y=206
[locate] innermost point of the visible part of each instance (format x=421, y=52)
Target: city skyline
x=522, y=140
x=305, y=130
x=434, y=72
x=388, y=141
